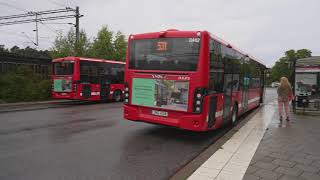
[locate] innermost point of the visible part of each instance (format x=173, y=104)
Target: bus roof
x=175, y=33
x=87, y=59
x=235, y=48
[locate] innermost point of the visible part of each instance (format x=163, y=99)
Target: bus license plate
x=159, y=113
x=63, y=94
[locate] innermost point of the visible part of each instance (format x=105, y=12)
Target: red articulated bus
x=190, y=80
x=87, y=79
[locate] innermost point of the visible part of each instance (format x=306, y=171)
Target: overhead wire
x=66, y=10
x=49, y=28
x=40, y=17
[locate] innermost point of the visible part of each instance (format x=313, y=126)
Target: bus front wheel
x=117, y=96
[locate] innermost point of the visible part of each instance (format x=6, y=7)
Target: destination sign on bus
x=162, y=46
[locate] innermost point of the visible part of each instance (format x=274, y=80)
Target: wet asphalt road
x=93, y=142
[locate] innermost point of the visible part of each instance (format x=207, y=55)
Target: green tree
x=65, y=45
x=27, y=51
x=102, y=46
x=15, y=50
x=280, y=69
x=290, y=55
x=106, y=45
x=284, y=66
x=62, y=46
x=83, y=44
x=3, y=49
x=303, y=53
x=120, y=47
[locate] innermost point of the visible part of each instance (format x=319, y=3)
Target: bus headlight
x=126, y=93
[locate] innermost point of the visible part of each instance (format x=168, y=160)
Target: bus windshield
x=63, y=68
x=174, y=54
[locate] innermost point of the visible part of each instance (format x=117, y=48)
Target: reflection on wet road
x=92, y=142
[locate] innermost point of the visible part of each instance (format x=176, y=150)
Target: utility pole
x=37, y=34
x=42, y=16
x=77, y=30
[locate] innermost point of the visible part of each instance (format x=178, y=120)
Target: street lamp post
x=294, y=86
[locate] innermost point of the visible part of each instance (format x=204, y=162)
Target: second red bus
x=89, y=79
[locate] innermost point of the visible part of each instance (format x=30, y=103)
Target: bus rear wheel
x=117, y=96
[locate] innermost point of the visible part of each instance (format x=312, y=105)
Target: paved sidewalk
x=264, y=149
x=231, y=161
x=288, y=151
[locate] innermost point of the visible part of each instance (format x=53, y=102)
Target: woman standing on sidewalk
x=284, y=96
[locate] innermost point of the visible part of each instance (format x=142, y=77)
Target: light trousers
x=283, y=105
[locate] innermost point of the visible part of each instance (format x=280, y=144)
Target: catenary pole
x=77, y=30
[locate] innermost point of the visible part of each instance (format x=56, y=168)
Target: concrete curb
x=33, y=103
x=28, y=106
x=194, y=164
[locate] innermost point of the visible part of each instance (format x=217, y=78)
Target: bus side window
x=84, y=71
x=105, y=75
x=216, y=68
x=216, y=82
x=94, y=78
x=117, y=73
x=236, y=71
x=121, y=74
x=255, y=75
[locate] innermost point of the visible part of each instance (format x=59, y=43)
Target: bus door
x=104, y=87
x=246, y=84
x=227, y=92
x=104, y=91
x=245, y=93
x=262, y=82
x=104, y=81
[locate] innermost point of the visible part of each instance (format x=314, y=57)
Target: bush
x=45, y=89
x=23, y=85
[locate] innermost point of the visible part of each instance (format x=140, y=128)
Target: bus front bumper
x=182, y=120
x=63, y=95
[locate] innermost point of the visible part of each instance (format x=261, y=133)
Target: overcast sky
x=262, y=28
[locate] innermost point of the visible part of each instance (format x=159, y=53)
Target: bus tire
x=117, y=96
x=234, y=116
